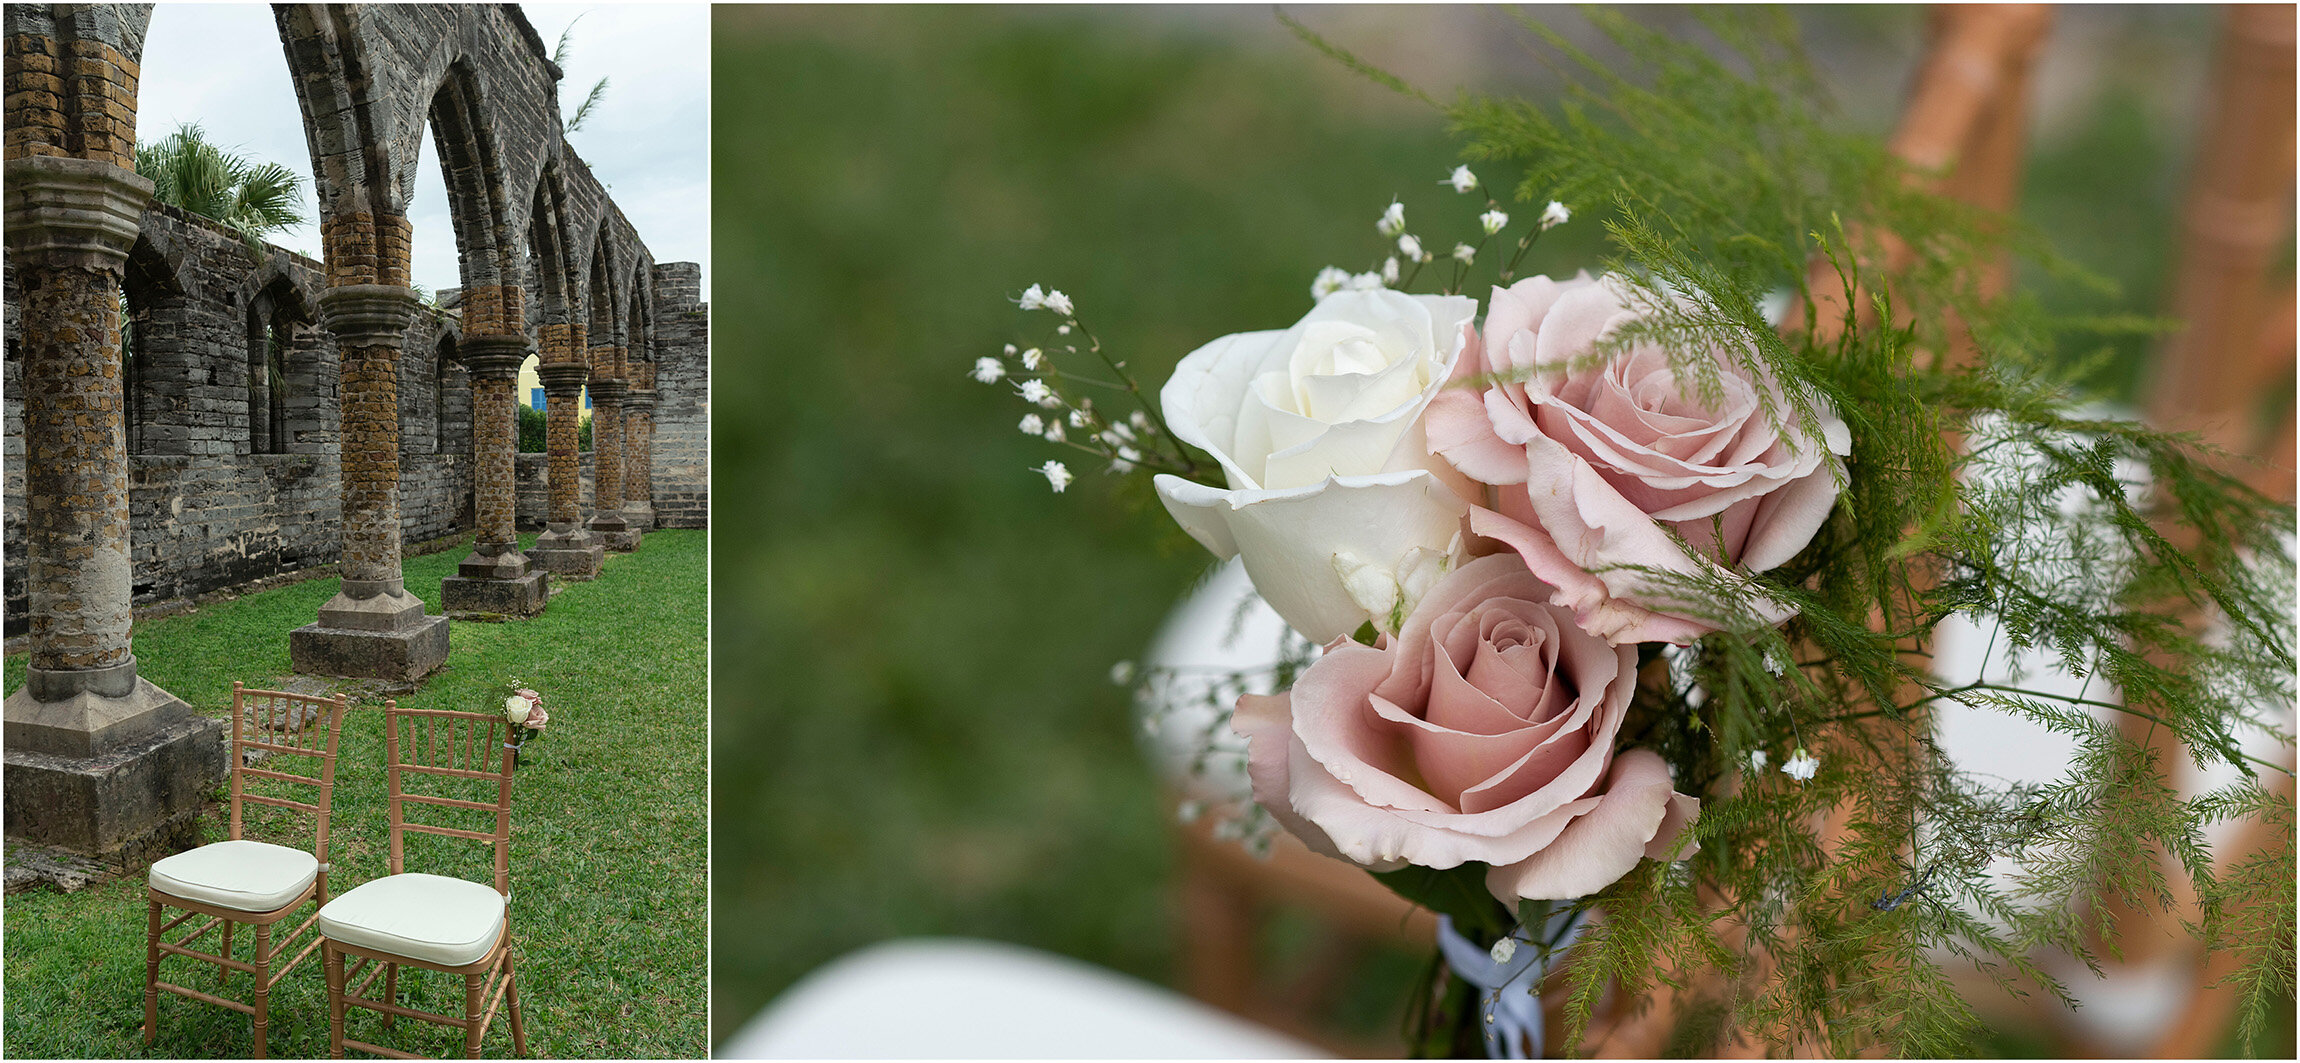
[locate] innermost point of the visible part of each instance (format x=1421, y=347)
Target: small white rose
x=1330, y=486
x=516, y=708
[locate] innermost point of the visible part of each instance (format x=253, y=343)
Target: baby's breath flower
x=1062, y=330
x=1127, y=459
x=1033, y=297
x=1140, y=421
x=1010, y=350
x=1033, y=358
x=1504, y=949
x=1462, y=180
x=1054, y=432
x=1801, y=765
x=1393, y=220
x=1493, y=220
x=1410, y=246
x=988, y=369
x=1366, y=282
x=1080, y=418
x=1122, y=673
x=1554, y=215
x=1037, y=393
x=1758, y=759
x=1390, y=270
x=1464, y=253
x=1329, y=281
x=1032, y=424
x=1058, y=302
x=1056, y=473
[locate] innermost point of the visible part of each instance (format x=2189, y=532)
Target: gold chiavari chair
x=433, y=922
x=245, y=881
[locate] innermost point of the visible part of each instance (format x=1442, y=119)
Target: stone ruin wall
x=208, y=513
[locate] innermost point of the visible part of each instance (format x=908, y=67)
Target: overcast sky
x=221, y=65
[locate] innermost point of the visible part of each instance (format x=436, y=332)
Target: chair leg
x=263, y=959
x=152, y=976
x=333, y=961
x=472, y=984
x=511, y=1001
x=390, y=992
x=223, y=973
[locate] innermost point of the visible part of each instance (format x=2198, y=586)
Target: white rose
x=1333, y=498
x=516, y=708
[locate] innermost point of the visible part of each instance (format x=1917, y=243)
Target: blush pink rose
x=1483, y=732
x=1607, y=463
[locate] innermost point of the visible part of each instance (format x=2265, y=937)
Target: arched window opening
x=271, y=335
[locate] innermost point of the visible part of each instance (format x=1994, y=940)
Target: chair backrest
x=444, y=752
x=288, y=734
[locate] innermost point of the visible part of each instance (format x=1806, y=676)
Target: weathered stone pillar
x=496, y=581
x=372, y=628
x=639, y=451
x=607, y=455
x=98, y=759
x=564, y=548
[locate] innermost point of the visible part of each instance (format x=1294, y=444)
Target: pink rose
x=1615, y=455
x=1483, y=732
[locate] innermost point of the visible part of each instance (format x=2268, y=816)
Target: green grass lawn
x=608, y=832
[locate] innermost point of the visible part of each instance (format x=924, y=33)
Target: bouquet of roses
x=523, y=710
x=1623, y=583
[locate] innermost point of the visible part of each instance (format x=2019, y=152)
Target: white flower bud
x=1390, y=270
x=1464, y=253
x=1054, y=432
x=1411, y=247
x=1393, y=220
x=1554, y=215
x=1493, y=220
x=1032, y=424
x=1462, y=180
x=1801, y=765
x=1504, y=949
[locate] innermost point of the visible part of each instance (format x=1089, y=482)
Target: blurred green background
x=914, y=728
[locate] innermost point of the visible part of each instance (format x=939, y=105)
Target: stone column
x=564, y=548
x=99, y=760
x=607, y=460
x=372, y=628
x=496, y=581
x=639, y=451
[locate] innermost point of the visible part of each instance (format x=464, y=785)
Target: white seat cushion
x=241, y=875
x=446, y=921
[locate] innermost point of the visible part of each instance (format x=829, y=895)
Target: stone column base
x=611, y=529
x=640, y=516
x=406, y=653
x=465, y=598
x=501, y=586
x=568, y=551
x=125, y=806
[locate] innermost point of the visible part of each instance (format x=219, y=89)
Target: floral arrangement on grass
x=1624, y=579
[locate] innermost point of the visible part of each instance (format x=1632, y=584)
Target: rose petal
x=1600, y=846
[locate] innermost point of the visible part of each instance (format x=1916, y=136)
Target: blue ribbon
x=1512, y=1018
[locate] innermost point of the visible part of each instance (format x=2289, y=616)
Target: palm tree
x=598, y=88
x=253, y=199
